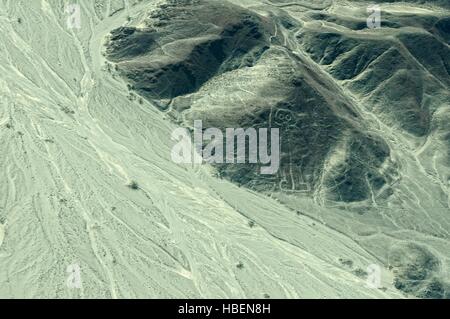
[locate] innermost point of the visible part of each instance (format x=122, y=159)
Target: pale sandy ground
x=64, y=199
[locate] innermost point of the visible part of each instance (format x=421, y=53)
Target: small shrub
x=240, y=265
x=346, y=262
x=360, y=273
x=133, y=185
x=67, y=110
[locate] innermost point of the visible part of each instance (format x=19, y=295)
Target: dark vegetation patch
x=205, y=40
x=416, y=272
